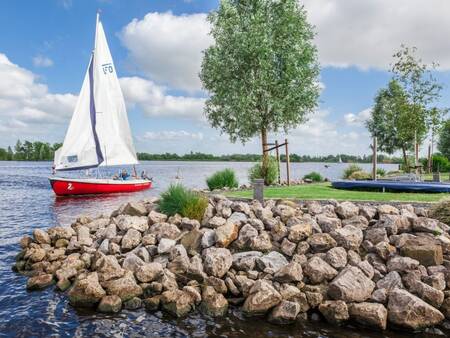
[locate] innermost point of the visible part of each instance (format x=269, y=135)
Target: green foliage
x=313, y=176
x=444, y=140
x=440, y=163
x=195, y=207
x=441, y=211
x=221, y=179
x=381, y=172
x=350, y=170
x=360, y=175
x=270, y=174
x=179, y=200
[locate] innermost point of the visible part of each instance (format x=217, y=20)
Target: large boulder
x=351, y=285
x=217, y=261
x=108, y=268
x=149, y=272
x=110, y=304
x=41, y=236
x=124, y=287
x=262, y=297
x=334, y=311
x=369, y=314
x=317, y=270
x=430, y=225
x=273, y=260
x=284, y=313
x=226, y=234
x=292, y=272
x=126, y=222
x=321, y=242
x=131, y=239
x=213, y=303
x=40, y=282
x=401, y=264
x=411, y=312
x=299, y=232
x=337, y=257
x=135, y=209
x=156, y=217
x=347, y=210
x=165, y=230
x=349, y=237
x=426, y=253
x=245, y=261
x=86, y=292
x=176, y=302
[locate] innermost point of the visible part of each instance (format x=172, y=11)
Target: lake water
x=27, y=202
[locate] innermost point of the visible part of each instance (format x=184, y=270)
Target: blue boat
x=383, y=185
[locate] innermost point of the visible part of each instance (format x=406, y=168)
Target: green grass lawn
x=323, y=191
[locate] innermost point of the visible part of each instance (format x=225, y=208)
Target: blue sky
x=156, y=46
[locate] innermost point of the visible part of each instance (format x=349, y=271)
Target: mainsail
x=99, y=133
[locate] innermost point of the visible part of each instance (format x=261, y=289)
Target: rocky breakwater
x=380, y=266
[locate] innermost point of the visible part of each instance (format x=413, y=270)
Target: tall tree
x=444, y=140
x=392, y=121
x=420, y=86
x=262, y=70
x=10, y=154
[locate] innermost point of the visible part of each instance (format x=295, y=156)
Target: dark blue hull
x=435, y=187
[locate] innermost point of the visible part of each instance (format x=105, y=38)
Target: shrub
x=350, y=170
x=360, y=175
x=441, y=211
x=313, y=176
x=381, y=172
x=271, y=174
x=221, y=179
x=179, y=200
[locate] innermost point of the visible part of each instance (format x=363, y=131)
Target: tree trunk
x=265, y=157
x=405, y=159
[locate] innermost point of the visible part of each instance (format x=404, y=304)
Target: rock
x=317, y=270
x=208, y=239
x=176, y=302
x=385, y=250
x=216, y=222
x=359, y=222
x=314, y=298
x=213, y=304
x=63, y=284
x=58, y=232
x=165, y=245
x=365, y=267
x=246, y=233
x=226, y=234
x=334, y=311
x=262, y=297
x=288, y=247
x=321, y=242
x=132, y=262
x=387, y=209
x=445, y=308
x=273, y=260
x=241, y=207
x=284, y=313
x=86, y=292
x=401, y=264
x=376, y=235
x=156, y=217
x=126, y=222
x=347, y=210
x=292, y=272
x=380, y=296
x=351, y=285
x=367, y=211
x=35, y=253
x=135, y=209
x=152, y=303
x=132, y=304
x=348, y=237
x=109, y=268
x=149, y=272
x=131, y=239
x=165, y=230
x=390, y=282
x=84, y=237
x=336, y=257
x=218, y=284
x=110, y=304
x=40, y=282
x=299, y=232
x=245, y=261
x=429, y=294
x=427, y=254
x=409, y=311
x=188, y=224
x=328, y=224
x=217, y=261
x=149, y=239
x=124, y=287
x=424, y=224
x=261, y=242
x=41, y=237
x=369, y=314
x=193, y=291
x=192, y=240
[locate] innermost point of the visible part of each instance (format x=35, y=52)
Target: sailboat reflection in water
x=99, y=133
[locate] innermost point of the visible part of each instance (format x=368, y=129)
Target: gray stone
x=262, y=297
x=292, y=272
x=217, y=261
x=351, y=285
x=317, y=270
x=348, y=237
x=213, y=304
x=245, y=261
x=86, y=292
x=110, y=304
x=321, y=242
x=336, y=257
x=402, y=264
x=335, y=312
x=347, y=210
x=149, y=272
x=284, y=313
x=165, y=245
x=273, y=260
x=369, y=314
x=131, y=239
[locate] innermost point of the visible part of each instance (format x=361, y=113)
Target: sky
x=157, y=49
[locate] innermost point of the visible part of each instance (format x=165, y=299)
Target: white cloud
x=359, y=118
x=366, y=33
x=154, y=101
x=27, y=108
x=168, y=48
x=42, y=61
x=171, y=135
x=67, y=4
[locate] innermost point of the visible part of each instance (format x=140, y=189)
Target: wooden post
x=374, y=158
x=429, y=158
x=416, y=153
x=278, y=161
x=287, y=163
x=258, y=189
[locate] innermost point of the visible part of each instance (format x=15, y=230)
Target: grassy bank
x=323, y=191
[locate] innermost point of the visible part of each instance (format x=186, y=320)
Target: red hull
x=65, y=187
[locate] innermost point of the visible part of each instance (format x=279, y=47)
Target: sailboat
x=99, y=133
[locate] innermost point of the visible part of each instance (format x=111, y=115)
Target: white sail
x=99, y=133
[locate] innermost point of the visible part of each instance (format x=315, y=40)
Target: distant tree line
x=29, y=151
